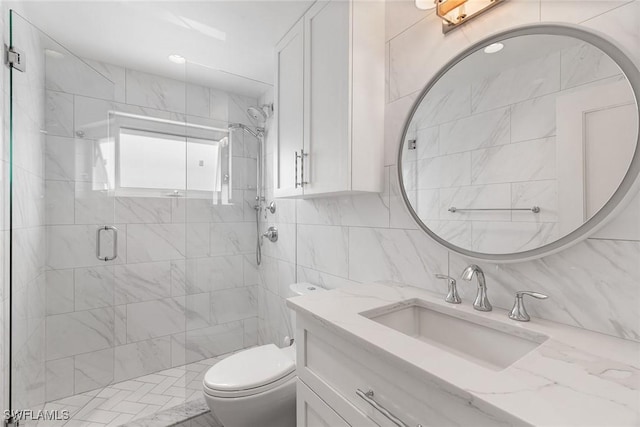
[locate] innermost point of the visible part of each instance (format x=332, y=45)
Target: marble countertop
x=576, y=377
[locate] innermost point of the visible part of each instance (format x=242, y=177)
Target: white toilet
x=257, y=386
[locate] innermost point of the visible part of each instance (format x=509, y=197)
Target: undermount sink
x=475, y=338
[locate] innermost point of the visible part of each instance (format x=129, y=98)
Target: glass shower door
x=64, y=240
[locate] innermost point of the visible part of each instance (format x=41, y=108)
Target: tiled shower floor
x=130, y=400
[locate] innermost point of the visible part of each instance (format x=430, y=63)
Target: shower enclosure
x=132, y=231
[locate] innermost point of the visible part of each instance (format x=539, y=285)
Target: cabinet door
x=327, y=103
x=312, y=411
x=289, y=101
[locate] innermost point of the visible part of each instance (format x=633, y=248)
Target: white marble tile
x=219, y=105
x=154, y=91
x=457, y=233
x=29, y=199
x=93, y=205
x=250, y=332
x=197, y=240
x=585, y=63
x=285, y=247
x=477, y=131
x=427, y=142
x=243, y=176
x=538, y=77
x=80, y=332
x=624, y=226
x=215, y=273
x=404, y=256
x=156, y=318
x=140, y=358
x=59, y=378
x=534, y=118
x=475, y=197
x=232, y=238
x=198, y=98
x=324, y=280
x=573, y=11
x=543, y=194
x=214, y=341
x=524, y=161
x=409, y=71
x=155, y=242
x=396, y=115
x=198, y=311
x=204, y=210
x=509, y=237
x=67, y=73
x=93, y=370
x=114, y=73
x=399, y=216
x=59, y=294
x=400, y=15
x=59, y=206
x=59, y=114
x=142, y=282
x=445, y=171
x=133, y=210
x=120, y=325
x=442, y=104
x=324, y=248
x=179, y=277
x=234, y=304
x=94, y=287
x=426, y=203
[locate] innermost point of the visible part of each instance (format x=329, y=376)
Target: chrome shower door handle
x=99, y=241
x=368, y=397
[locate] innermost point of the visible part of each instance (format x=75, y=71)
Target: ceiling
x=231, y=37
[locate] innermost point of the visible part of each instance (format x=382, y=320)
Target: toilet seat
x=250, y=372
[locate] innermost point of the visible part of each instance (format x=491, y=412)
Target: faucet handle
x=519, y=312
x=452, y=294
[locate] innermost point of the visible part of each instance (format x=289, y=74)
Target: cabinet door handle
x=115, y=243
x=296, y=174
x=302, y=156
x=368, y=397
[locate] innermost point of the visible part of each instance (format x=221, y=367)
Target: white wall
x=337, y=241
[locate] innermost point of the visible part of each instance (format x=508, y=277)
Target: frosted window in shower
x=164, y=164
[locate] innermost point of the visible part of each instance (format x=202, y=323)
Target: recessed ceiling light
x=493, y=48
x=425, y=4
x=177, y=59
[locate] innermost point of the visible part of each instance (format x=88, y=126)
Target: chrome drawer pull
x=368, y=397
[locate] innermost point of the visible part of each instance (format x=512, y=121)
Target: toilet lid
x=250, y=369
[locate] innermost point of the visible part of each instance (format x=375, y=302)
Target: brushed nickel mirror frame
x=627, y=189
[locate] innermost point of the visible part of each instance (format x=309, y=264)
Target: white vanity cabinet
x=331, y=369
x=329, y=101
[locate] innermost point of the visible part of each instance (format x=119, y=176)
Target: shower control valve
x=271, y=234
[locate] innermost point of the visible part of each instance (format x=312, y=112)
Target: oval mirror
x=523, y=144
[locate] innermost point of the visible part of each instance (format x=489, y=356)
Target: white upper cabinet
x=330, y=101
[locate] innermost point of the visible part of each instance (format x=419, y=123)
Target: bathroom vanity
x=391, y=355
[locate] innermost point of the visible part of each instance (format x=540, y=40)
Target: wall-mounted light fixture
x=456, y=12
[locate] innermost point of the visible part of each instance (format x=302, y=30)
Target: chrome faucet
x=518, y=312
x=482, y=302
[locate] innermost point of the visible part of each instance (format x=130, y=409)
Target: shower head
x=260, y=113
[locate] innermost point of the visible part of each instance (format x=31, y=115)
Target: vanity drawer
x=331, y=365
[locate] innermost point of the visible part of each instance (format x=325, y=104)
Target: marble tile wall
x=182, y=288
x=594, y=284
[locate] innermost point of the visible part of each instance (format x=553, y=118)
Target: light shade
x=177, y=59
x=457, y=12
x=425, y=4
